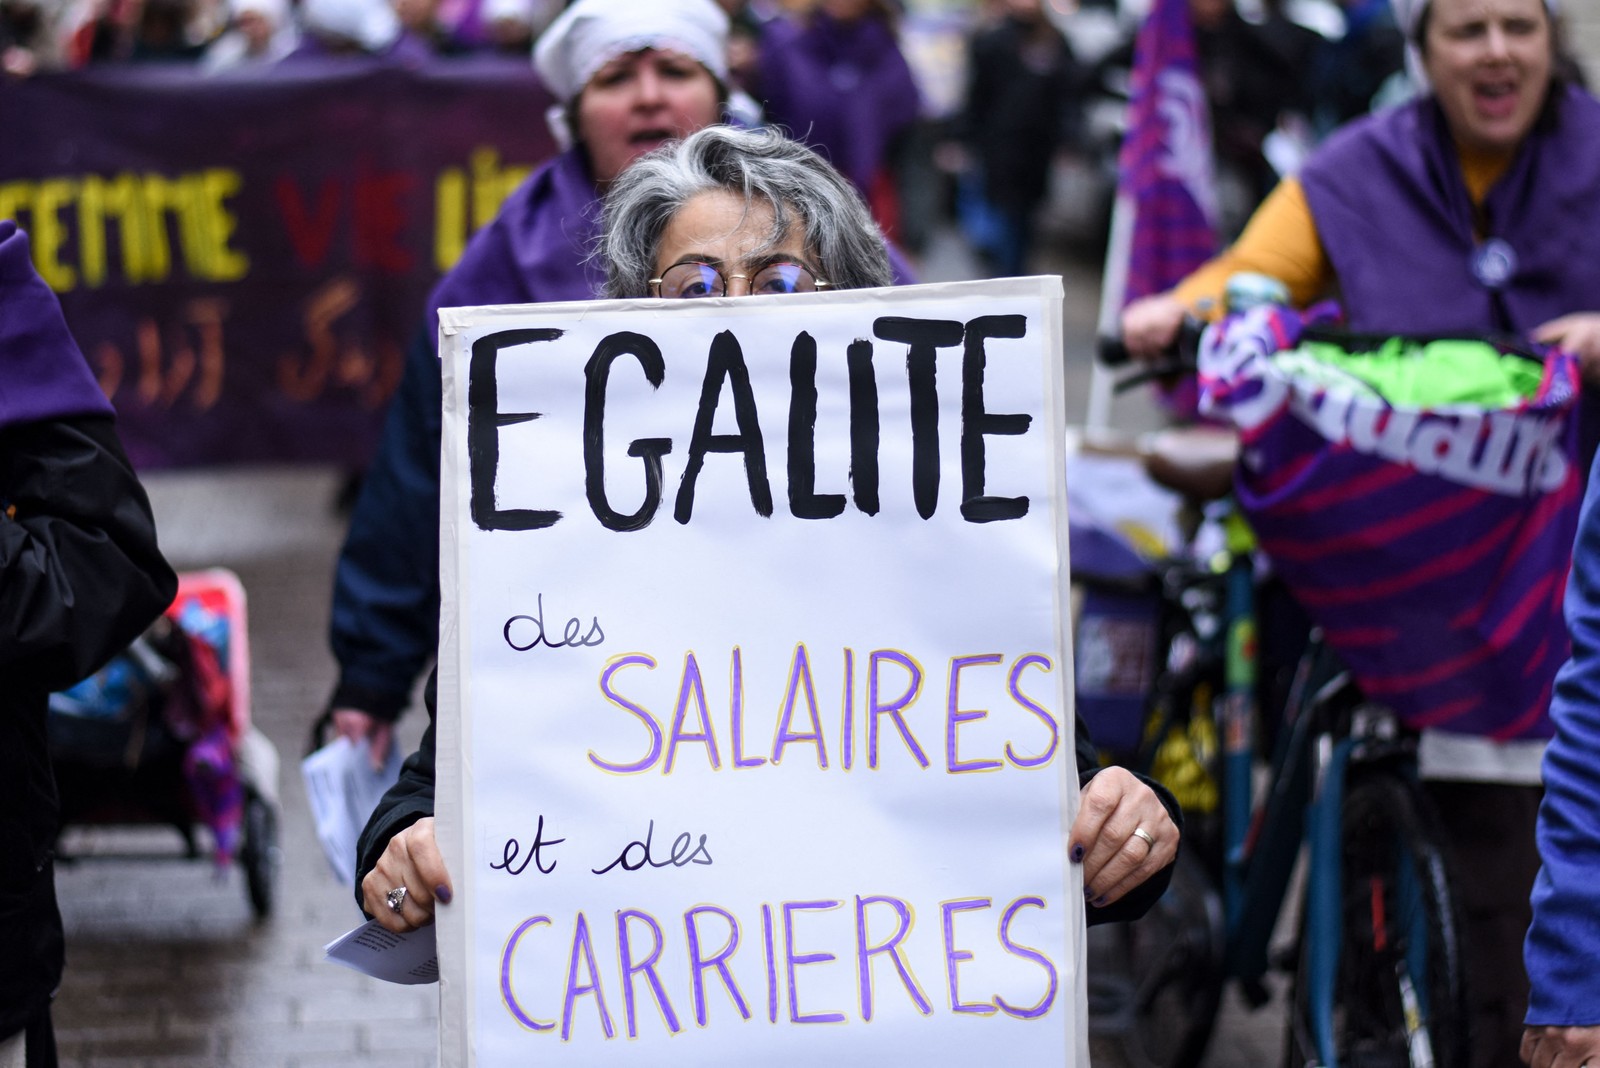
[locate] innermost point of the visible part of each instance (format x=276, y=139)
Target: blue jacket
x=385, y=620
x=1562, y=951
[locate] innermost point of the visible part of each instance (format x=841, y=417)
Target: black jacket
x=1024, y=93
x=410, y=799
x=80, y=577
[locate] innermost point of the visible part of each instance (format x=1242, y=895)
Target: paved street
x=166, y=967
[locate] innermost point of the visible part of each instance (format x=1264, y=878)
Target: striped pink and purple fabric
x=1431, y=546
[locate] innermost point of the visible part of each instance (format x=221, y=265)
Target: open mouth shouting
x=1496, y=99
x=652, y=137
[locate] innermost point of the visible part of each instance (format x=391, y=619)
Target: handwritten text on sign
x=754, y=680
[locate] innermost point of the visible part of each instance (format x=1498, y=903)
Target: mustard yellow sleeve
x=1280, y=240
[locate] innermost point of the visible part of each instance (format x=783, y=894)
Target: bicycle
x=1377, y=975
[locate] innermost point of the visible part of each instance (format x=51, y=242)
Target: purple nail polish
x=1099, y=902
x=1077, y=853
x=1087, y=893
x=441, y=894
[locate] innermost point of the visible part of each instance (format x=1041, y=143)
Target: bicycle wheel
x=1169, y=973
x=1398, y=996
x=258, y=854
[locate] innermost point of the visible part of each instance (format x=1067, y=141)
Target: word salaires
x=915, y=342
x=687, y=714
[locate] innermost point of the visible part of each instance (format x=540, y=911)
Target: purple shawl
x=1392, y=211
x=537, y=249
x=841, y=87
x=45, y=376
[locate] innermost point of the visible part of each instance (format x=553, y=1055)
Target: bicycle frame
x=1342, y=783
x=1328, y=732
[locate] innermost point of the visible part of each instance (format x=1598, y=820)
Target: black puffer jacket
x=80, y=577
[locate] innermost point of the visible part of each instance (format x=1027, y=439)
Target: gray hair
x=759, y=165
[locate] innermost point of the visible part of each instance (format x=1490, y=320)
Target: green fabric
x=1421, y=375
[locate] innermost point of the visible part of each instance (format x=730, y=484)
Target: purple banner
x=244, y=259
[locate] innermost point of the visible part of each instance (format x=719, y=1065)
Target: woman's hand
x=411, y=860
x=354, y=724
x=1579, y=334
x=1150, y=325
x=1114, y=858
x=1561, y=1047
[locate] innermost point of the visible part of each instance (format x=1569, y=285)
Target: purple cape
x=1392, y=211
x=45, y=375
x=537, y=248
x=841, y=87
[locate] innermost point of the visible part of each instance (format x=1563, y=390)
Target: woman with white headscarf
x=1437, y=215
x=262, y=32
x=630, y=76
x=1474, y=208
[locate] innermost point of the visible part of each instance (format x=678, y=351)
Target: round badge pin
x=1493, y=263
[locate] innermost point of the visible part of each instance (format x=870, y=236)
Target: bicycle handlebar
x=1112, y=351
x=1179, y=357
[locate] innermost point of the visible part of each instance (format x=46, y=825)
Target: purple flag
x=1165, y=167
x=243, y=282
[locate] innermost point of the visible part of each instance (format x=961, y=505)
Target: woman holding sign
x=728, y=212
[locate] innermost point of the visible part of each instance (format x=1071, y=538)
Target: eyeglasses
x=693, y=278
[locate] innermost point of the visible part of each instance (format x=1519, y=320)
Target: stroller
x=162, y=735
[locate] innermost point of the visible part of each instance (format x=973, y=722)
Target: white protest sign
x=755, y=730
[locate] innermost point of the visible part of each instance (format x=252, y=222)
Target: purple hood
x=45, y=375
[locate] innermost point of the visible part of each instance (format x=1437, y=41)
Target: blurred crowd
x=965, y=107
x=933, y=108
x=977, y=110
x=217, y=35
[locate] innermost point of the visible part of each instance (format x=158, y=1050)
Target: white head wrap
x=370, y=23
x=591, y=33
x=274, y=11
x=494, y=10
x=1408, y=16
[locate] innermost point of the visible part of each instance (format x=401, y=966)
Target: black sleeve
x=407, y=801
x=80, y=573
x=977, y=100
x=1138, y=902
